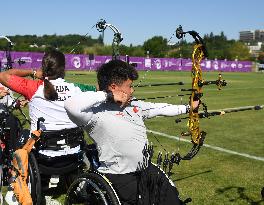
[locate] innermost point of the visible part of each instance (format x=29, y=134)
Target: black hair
x=115, y=71
x=53, y=67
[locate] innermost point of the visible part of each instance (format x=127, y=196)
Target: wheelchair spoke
x=85, y=191
x=91, y=188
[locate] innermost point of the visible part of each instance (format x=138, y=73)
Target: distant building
x=259, y=35
x=254, y=41
x=251, y=36
x=254, y=49
x=246, y=36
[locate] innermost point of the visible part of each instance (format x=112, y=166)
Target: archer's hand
x=121, y=97
x=39, y=74
x=196, y=104
x=21, y=103
x=3, y=93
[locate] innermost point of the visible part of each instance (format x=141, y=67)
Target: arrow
x=159, y=84
x=224, y=111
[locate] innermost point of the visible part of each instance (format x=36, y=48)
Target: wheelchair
x=42, y=169
x=47, y=172
x=68, y=171
x=89, y=186
x=6, y=149
x=10, y=129
x=92, y=187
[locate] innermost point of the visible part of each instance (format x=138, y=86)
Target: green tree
x=237, y=50
x=180, y=50
x=157, y=46
x=261, y=58
x=217, y=45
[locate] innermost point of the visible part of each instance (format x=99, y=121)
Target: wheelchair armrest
x=92, y=155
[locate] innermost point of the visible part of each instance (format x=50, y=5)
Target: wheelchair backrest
x=57, y=140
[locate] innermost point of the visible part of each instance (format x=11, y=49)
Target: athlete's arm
x=79, y=107
x=160, y=109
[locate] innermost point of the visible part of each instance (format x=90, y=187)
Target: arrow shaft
x=159, y=97
x=159, y=84
x=230, y=110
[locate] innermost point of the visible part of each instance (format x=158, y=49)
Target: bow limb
x=8, y=40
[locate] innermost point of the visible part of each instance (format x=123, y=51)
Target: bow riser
x=193, y=123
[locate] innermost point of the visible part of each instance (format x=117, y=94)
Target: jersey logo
x=62, y=89
x=120, y=114
x=135, y=109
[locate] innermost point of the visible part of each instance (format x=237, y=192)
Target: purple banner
x=83, y=62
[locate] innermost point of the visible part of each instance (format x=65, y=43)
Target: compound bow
x=101, y=25
x=10, y=44
x=197, y=135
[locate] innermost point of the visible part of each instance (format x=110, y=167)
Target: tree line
x=218, y=46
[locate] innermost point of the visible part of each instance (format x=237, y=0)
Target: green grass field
x=212, y=177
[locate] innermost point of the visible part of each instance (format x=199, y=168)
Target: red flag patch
x=135, y=109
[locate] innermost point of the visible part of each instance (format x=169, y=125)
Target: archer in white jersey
x=46, y=95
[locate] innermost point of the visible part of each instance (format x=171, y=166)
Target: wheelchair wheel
x=34, y=181
x=91, y=188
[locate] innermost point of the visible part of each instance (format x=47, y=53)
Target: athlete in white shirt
x=116, y=124
x=62, y=137
x=46, y=95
